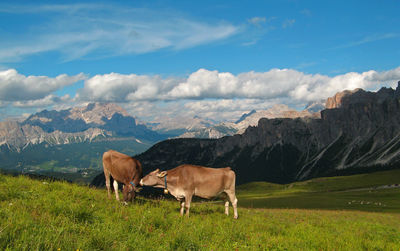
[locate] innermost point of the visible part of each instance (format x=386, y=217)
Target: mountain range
x=72, y=140
x=105, y=121
x=94, y=122
x=358, y=132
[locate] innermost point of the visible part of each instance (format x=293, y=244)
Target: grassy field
x=357, y=192
x=41, y=215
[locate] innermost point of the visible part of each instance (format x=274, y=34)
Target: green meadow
x=374, y=192
x=310, y=215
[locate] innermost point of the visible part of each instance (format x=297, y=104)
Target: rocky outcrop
x=336, y=101
x=361, y=134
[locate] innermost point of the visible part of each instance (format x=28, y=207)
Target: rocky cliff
x=359, y=134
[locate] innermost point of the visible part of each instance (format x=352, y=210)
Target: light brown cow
x=185, y=181
x=123, y=169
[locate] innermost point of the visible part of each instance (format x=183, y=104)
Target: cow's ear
x=156, y=171
x=162, y=174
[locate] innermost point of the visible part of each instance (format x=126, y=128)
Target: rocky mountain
x=212, y=132
x=316, y=107
x=176, y=126
x=276, y=111
x=80, y=124
x=220, y=130
x=244, y=116
x=360, y=133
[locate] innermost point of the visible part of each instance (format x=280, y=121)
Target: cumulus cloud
x=205, y=84
x=210, y=94
x=325, y=87
x=98, y=30
x=47, y=101
x=18, y=87
x=115, y=87
x=226, y=109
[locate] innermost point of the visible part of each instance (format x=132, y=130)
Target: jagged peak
x=96, y=112
x=359, y=95
x=337, y=100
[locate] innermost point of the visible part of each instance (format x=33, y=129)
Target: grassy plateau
x=310, y=215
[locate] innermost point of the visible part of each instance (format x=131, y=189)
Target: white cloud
x=47, y=101
x=17, y=87
x=225, y=109
x=210, y=94
x=205, y=84
x=325, y=87
x=115, y=87
x=96, y=30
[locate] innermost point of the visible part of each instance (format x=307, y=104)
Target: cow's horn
x=162, y=174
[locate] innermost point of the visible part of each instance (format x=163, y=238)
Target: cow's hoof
x=125, y=203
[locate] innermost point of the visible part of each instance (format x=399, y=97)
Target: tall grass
x=40, y=215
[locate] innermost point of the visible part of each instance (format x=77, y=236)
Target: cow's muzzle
x=141, y=182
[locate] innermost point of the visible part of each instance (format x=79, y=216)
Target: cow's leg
x=227, y=207
x=234, y=201
x=108, y=185
x=116, y=190
x=182, y=207
x=188, y=199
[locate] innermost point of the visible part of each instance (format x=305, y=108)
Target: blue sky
x=208, y=57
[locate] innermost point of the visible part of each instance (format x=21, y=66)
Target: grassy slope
x=345, y=192
x=47, y=216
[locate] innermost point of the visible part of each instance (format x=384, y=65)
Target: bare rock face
x=336, y=101
x=96, y=112
x=360, y=132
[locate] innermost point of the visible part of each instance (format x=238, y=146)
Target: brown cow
x=123, y=169
x=185, y=181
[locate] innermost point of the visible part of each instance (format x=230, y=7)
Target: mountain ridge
x=362, y=134
x=95, y=121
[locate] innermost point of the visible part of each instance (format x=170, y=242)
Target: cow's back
x=122, y=167
x=205, y=182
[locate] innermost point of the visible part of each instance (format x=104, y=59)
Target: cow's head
x=129, y=192
x=153, y=179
